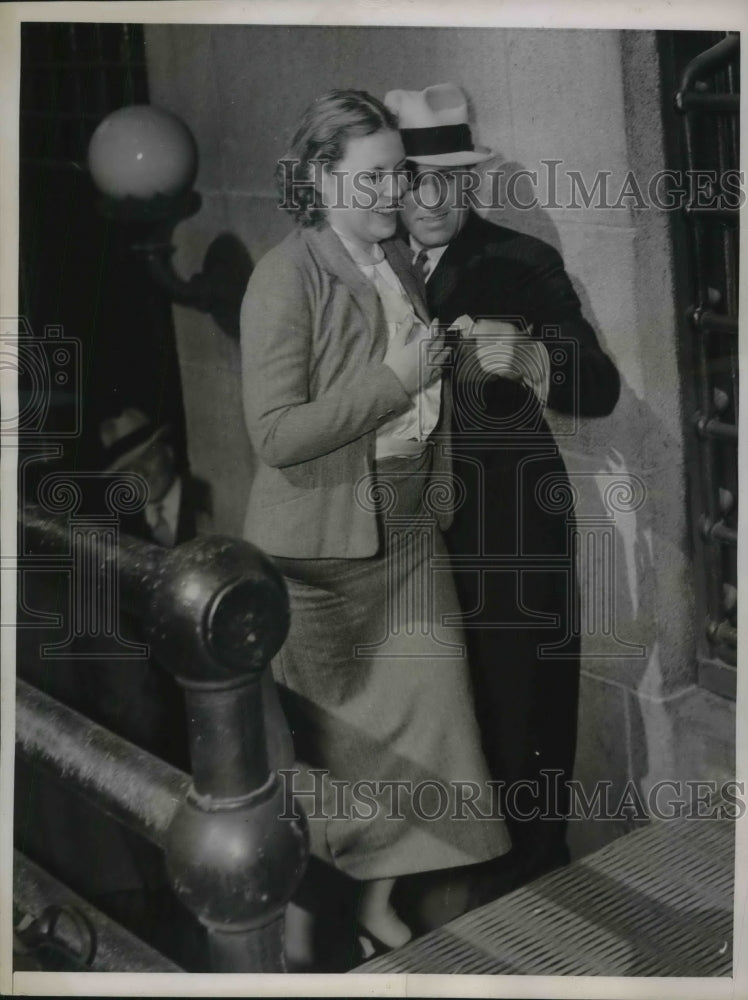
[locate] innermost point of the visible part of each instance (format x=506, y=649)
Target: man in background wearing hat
x=503, y=452
x=144, y=703
x=133, y=443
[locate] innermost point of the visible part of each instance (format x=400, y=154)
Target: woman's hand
x=416, y=354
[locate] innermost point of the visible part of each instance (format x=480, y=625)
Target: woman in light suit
x=351, y=490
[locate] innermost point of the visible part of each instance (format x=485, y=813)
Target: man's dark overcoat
x=511, y=537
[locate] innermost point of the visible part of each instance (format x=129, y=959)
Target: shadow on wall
x=625, y=487
x=534, y=221
x=227, y=268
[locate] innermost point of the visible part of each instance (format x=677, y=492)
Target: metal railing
x=213, y=611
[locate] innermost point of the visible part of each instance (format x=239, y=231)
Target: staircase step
x=656, y=902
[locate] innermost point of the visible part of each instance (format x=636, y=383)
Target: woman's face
x=362, y=191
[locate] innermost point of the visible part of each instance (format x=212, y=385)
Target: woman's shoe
x=371, y=946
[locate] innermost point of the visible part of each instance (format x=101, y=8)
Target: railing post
x=231, y=858
x=214, y=611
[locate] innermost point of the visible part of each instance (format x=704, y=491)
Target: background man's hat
x=126, y=437
x=434, y=126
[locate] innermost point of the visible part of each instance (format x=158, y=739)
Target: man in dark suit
x=525, y=346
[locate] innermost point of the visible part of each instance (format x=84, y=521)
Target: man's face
x=436, y=206
x=157, y=465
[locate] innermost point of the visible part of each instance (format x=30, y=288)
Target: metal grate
x=708, y=103
x=657, y=902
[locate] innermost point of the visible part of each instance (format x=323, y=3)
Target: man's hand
x=496, y=347
x=500, y=348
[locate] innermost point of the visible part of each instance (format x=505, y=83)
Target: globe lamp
x=141, y=152
x=143, y=161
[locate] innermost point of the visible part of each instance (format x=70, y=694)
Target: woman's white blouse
x=402, y=434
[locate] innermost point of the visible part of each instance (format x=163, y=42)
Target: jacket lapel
x=446, y=275
x=336, y=260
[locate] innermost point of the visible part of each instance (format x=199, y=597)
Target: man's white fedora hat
x=434, y=126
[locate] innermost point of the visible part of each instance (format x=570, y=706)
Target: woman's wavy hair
x=322, y=136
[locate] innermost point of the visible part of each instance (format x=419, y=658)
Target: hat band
x=128, y=442
x=437, y=140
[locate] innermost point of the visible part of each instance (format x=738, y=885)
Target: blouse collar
x=359, y=256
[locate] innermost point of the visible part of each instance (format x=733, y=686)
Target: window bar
x=101, y=83
x=49, y=44
x=708, y=102
x=707, y=321
x=128, y=57
x=720, y=532
x=713, y=427
x=734, y=120
x=726, y=534
x=724, y=214
x=77, y=92
x=714, y=332
x=707, y=64
x=711, y=555
x=93, y=116
x=729, y=257
x=51, y=137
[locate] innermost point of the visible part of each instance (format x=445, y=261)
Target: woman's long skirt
x=377, y=692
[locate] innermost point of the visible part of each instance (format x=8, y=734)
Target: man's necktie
x=423, y=263
x=161, y=530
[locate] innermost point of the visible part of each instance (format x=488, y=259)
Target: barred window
x=702, y=123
